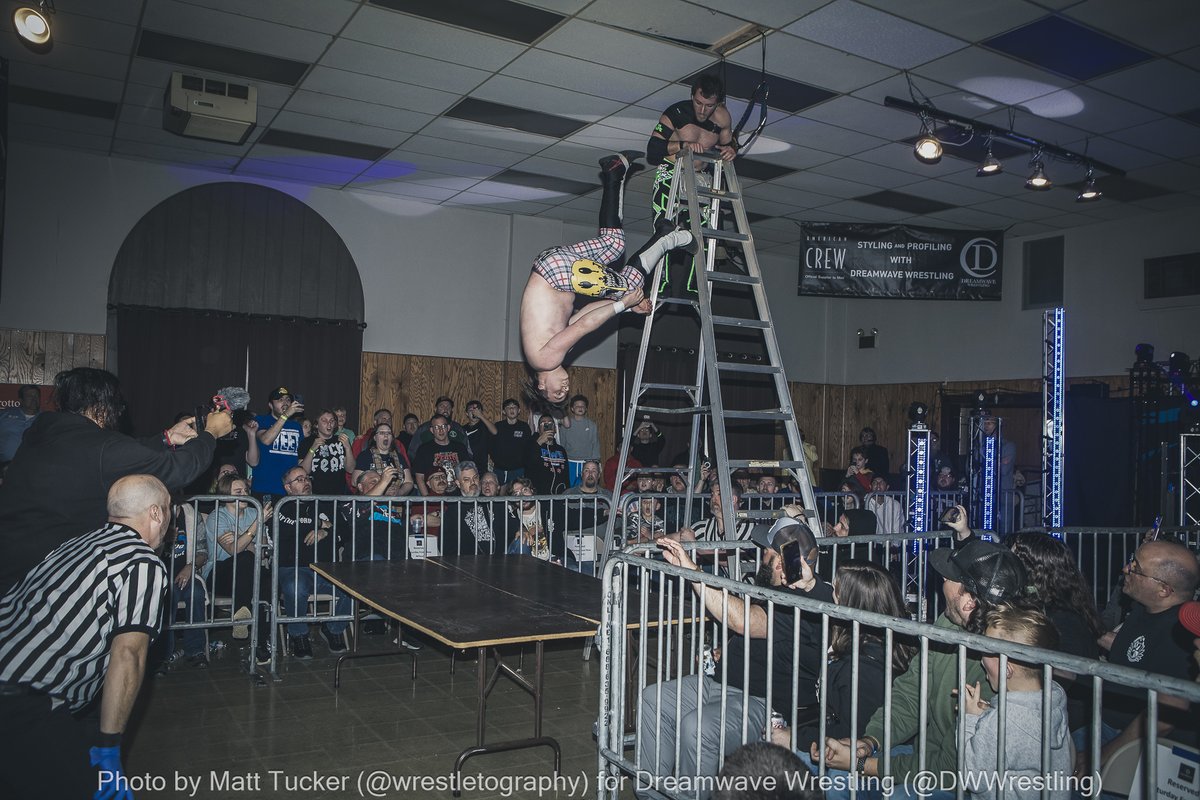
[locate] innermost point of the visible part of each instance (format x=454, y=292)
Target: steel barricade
x=328, y=528
x=198, y=599
x=655, y=666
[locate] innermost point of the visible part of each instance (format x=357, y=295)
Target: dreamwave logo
x=979, y=258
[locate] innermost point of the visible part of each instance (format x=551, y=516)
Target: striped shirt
x=706, y=530
x=58, y=623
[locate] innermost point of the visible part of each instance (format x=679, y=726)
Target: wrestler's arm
x=589, y=318
x=725, y=144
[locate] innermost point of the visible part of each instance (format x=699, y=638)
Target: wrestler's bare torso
x=548, y=328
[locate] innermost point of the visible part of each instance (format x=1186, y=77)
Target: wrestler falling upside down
x=549, y=329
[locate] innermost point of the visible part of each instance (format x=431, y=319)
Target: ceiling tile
x=61, y=103
x=597, y=43
x=670, y=19
x=456, y=151
x=420, y=36
x=327, y=16
x=1119, y=154
x=36, y=116
x=602, y=137
x=582, y=76
x=395, y=65
x=287, y=155
x=89, y=32
x=292, y=171
x=56, y=80
x=379, y=116
x=402, y=172
x=968, y=21
x=1167, y=136
x=378, y=90
x=414, y=191
x=824, y=184
x=866, y=211
x=234, y=31
x=1162, y=85
x=337, y=129
x=874, y=34
x=991, y=75
x=503, y=18
x=1083, y=107
x=516, y=204
x=1165, y=27
x=810, y=133
x=507, y=116
x=197, y=159
x=400, y=163
x=461, y=130
x=126, y=12
x=968, y=217
x=547, y=99
x=58, y=137
x=151, y=132
x=793, y=57
x=1065, y=47
x=864, y=172
x=864, y=117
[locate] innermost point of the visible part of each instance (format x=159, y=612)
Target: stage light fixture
x=990, y=164
x=917, y=412
x=1179, y=363
x=32, y=26
x=1037, y=180
x=1089, y=192
x=928, y=149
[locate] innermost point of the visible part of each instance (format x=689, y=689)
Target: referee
x=76, y=629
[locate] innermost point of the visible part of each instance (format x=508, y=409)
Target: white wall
x=448, y=282
x=923, y=341
x=437, y=281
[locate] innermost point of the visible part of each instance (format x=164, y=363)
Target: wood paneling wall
x=406, y=383
x=37, y=356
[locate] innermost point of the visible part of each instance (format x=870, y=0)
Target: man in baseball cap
x=978, y=575
x=989, y=572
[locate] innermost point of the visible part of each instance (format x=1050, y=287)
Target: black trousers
x=44, y=753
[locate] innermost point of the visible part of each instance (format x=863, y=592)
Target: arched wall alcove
x=233, y=284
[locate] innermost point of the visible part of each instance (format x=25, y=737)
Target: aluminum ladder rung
x=676, y=411
x=762, y=415
x=746, y=366
x=758, y=463
x=735, y=277
x=718, y=194
x=669, y=387
x=728, y=236
x=741, y=322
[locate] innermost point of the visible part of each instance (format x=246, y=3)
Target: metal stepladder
x=702, y=400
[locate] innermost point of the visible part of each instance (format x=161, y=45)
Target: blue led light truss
x=918, y=479
x=1053, y=417
x=989, y=480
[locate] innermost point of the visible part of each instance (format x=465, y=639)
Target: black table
x=481, y=602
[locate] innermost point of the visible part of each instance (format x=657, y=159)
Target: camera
x=951, y=515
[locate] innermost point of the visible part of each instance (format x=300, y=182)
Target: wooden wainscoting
x=37, y=356
x=406, y=383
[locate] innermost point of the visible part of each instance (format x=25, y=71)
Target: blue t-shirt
x=278, y=458
x=220, y=521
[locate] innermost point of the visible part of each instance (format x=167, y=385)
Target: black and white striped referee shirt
x=58, y=623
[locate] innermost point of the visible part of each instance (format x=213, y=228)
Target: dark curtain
x=171, y=361
x=1097, y=478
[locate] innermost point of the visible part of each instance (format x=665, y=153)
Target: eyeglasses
x=300, y=478
x=1133, y=568
x=439, y=427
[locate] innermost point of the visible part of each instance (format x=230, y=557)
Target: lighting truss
x=974, y=127
x=1189, y=479
x=1053, y=417
x=985, y=474
x=917, y=503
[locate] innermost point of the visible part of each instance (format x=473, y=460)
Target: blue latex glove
x=108, y=759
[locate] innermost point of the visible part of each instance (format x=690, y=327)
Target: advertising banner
x=905, y=261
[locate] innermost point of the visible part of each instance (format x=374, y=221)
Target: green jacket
x=941, y=739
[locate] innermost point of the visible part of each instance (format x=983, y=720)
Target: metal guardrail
x=677, y=650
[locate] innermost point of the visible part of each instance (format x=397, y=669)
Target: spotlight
x=33, y=26
x=1037, y=180
x=917, y=412
x=1089, y=192
x=1179, y=363
x=928, y=149
x=990, y=164
x=1144, y=353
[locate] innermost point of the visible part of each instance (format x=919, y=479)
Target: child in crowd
x=1022, y=744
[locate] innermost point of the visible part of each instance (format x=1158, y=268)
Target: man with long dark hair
x=57, y=484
